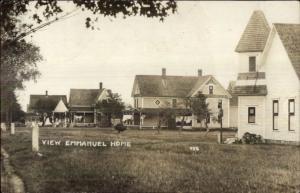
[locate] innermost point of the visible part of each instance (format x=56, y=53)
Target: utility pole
x=220, y=118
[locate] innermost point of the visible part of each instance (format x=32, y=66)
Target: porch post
x=95, y=117
x=140, y=120
x=84, y=117
x=53, y=121
x=65, y=119
x=132, y=117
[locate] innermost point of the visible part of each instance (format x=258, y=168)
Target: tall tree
x=199, y=108
x=18, y=64
x=112, y=107
x=19, y=58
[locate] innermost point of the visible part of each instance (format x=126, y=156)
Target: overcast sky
x=201, y=35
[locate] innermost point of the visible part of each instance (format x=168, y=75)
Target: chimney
x=100, y=85
x=163, y=72
x=46, y=93
x=199, y=72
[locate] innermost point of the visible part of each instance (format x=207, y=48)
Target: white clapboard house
x=82, y=105
x=268, y=86
x=152, y=93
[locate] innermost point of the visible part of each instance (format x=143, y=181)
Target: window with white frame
x=251, y=114
x=136, y=102
x=291, y=114
x=275, y=114
x=252, y=64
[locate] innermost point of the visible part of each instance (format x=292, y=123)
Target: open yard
x=154, y=163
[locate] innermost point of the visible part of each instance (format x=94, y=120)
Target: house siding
x=233, y=119
x=243, y=126
x=282, y=86
x=149, y=102
x=217, y=89
x=213, y=106
x=243, y=60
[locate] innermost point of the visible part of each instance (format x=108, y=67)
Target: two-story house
x=268, y=86
x=151, y=93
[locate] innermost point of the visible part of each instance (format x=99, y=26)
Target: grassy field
x=154, y=163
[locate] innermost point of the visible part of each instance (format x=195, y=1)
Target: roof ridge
x=173, y=75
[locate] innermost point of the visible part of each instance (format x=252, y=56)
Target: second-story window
x=275, y=114
x=252, y=64
x=136, y=103
x=211, y=89
x=174, y=103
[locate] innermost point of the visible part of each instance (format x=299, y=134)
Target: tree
x=112, y=107
x=18, y=64
x=199, y=108
x=19, y=58
x=49, y=9
x=185, y=111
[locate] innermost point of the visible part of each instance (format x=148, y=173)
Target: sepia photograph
x=160, y=96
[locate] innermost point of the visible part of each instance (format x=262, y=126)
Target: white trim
x=100, y=98
x=217, y=83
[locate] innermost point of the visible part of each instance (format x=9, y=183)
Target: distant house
x=82, y=105
x=43, y=106
x=151, y=93
x=268, y=86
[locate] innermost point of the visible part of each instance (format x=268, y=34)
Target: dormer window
x=211, y=89
x=252, y=64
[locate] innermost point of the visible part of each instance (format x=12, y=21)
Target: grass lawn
x=154, y=163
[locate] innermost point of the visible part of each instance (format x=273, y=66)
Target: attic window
x=252, y=64
x=211, y=89
x=157, y=102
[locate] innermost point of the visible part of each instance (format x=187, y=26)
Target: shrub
x=249, y=138
x=120, y=127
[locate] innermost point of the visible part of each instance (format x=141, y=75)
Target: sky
x=201, y=35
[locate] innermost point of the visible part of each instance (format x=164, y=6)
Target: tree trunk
x=159, y=124
x=182, y=124
x=109, y=119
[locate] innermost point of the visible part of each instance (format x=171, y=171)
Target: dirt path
x=10, y=182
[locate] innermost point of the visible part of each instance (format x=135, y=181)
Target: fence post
x=3, y=126
x=35, y=137
x=12, y=128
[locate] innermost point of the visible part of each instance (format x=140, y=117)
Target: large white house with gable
x=268, y=82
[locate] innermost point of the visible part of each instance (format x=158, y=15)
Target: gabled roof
x=60, y=107
x=234, y=99
x=45, y=102
x=255, y=34
x=289, y=35
x=83, y=97
x=198, y=84
x=167, y=86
